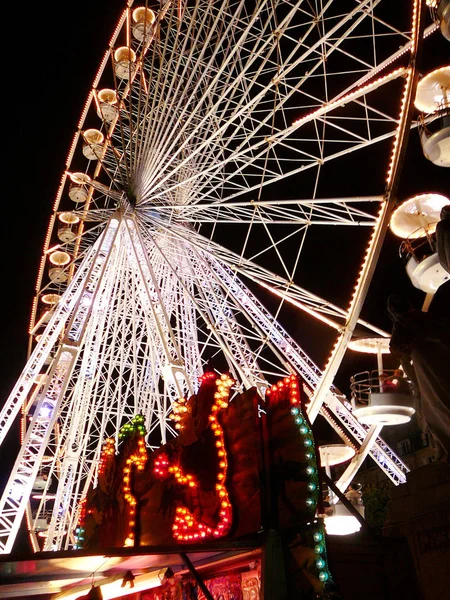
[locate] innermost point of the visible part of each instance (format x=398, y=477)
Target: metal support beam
x=348, y=505
x=201, y=584
x=355, y=464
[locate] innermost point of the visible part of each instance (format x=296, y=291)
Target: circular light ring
x=108, y=96
x=418, y=216
x=69, y=218
x=335, y=454
x=81, y=178
x=50, y=298
x=93, y=136
x=384, y=415
x=59, y=258
x=144, y=15
x=124, y=54
x=433, y=91
x=370, y=345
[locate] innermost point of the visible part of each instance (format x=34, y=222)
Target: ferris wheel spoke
x=226, y=125
x=228, y=55
x=282, y=287
x=247, y=156
x=180, y=73
x=321, y=211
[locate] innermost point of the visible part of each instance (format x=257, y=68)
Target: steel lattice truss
x=207, y=188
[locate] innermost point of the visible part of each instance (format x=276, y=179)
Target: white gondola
x=143, y=19
x=382, y=397
x=433, y=101
x=125, y=62
x=93, y=146
x=440, y=10
x=107, y=105
x=78, y=193
x=39, y=483
x=77, y=190
x=65, y=232
x=415, y=220
x=426, y=274
x=66, y=235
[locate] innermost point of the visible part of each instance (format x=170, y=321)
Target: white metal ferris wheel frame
x=116, y=300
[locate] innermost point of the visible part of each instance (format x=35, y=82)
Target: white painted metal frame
x=210, y=176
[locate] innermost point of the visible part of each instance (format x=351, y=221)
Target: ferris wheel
x=211, y=180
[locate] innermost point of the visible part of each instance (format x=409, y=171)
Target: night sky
x=47, y=73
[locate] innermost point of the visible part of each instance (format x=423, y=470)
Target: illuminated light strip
x=178, y=407
x=407, y=99
x=290, y=385
x=186, y=528
x=79, y=530
x=294, y=302
x=44, y=496
x=108, y=450
x=341, y=433
x=398, y=137
x=138, y=460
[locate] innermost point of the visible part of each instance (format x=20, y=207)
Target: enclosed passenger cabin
x=125, y=62
x=415, y=220
x=433, y=101
x=382, y=397
x=78, y=191
x=107, y=105
x=440, y=10
x=143, y=19
x=50, y=299
x=58, y=275
x=66, y=232
x=93, y=146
